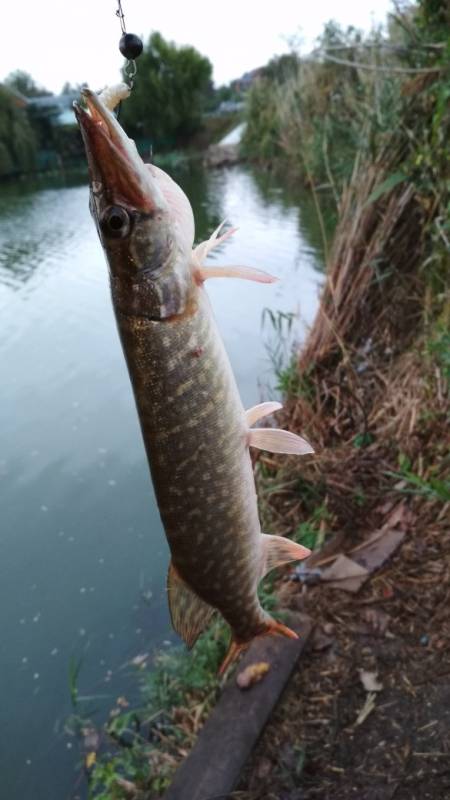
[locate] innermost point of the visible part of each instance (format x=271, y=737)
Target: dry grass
x=375, y=403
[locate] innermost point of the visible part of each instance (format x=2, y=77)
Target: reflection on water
x=83, y=556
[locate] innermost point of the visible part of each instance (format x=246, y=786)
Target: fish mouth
x=115, y=166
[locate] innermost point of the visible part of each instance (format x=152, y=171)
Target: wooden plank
x=212, y=768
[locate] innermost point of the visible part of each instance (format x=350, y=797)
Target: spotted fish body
x=195, y=429
x=195, y=433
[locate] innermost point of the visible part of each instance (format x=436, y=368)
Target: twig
x=378, y=68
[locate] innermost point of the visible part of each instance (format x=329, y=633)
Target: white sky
x=76, y=40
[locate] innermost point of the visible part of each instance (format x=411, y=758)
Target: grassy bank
x=370, y=389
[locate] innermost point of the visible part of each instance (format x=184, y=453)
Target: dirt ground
x=331, y=738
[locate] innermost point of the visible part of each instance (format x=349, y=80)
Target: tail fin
x=235, y=649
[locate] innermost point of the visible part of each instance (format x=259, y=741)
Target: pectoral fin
x=278, y=441
x=247, y=273
x=261, y=410
x=278, y=550
x=200, y=252
x=202, y=272
x=189, y=614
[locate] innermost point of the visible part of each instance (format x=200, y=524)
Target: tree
x=170, y=93
x=22, y=82
x=17, y=141
x=72, y=88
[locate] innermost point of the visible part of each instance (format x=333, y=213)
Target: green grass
x=431, y=487
x=279, y=346
x=311, y=532
x=438, y=347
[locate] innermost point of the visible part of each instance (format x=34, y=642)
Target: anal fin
x=190, y=614
x=278, y=550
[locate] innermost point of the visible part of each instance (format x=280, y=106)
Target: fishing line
x=131, y=48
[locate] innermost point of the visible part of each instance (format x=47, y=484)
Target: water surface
x=83, y=557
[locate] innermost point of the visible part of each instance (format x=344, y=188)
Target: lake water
x=83, y=557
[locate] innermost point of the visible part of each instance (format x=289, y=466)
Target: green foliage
x=262, y=137
x=386, y=186
x=74, y=673
x=179, y=673
x=363, y=439
x=177, y=678
x=17, y=141
x=439, y=348
x=170, y=93
x=130, y=764
x=22, y=82
x=309, y=533
x=318, y=115
x=279, y=347
x=431, y=487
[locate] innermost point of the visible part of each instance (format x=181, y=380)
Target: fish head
x=144, y=219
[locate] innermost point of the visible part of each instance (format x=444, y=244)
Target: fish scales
x=196, y=432
x=196, y=444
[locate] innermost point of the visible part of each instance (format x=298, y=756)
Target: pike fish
x=196, y=432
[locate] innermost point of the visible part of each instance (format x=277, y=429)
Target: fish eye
x=115, y=222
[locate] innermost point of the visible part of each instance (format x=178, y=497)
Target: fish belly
x=195, y=434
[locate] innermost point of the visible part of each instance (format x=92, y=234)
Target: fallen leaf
x=400, y=515
x=345, y=574
x=370, y=681
x=252, y=674
x=90, y=759
x=375, y=551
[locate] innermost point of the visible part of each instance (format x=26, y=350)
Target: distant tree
x=281, y=68
x=22, y=82
x=72, y=88
x=221, y=94
x=17, y=140
x=170, y=94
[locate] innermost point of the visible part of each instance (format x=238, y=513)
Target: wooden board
x=212, y=768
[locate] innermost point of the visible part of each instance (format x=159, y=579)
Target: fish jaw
x=143, y=219
x=116, y=168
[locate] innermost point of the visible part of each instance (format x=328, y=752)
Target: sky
x=78, y=41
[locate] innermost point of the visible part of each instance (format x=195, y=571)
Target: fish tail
x=235, y=649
